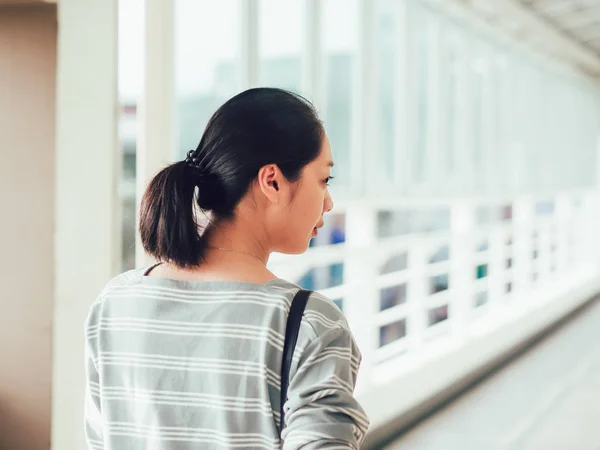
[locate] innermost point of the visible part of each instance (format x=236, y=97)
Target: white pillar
x=87, y=203
x=156, y=139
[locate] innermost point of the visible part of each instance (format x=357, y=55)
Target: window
x=392, y=296
x=396, y=223
x=481, y=271
x=392, y=332
x=333, y=231
x=280, y=43
x=483, y=246
x=423, y=38
x=340, y=38
x=451, y=56
x=206, y=63
x=438, y=283
x=323, y=277
x=131, y=68
x=387, y=40
x=478, y=121
x=481, y=298
x=395, y=264
x=437, y=315
x=440, y=255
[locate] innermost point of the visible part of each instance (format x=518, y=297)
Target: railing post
x=462, y=268
x=523, y=224
x=416, y=294
x=563, y=222
x=360, y=304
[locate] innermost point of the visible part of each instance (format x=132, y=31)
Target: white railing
x=451, y=285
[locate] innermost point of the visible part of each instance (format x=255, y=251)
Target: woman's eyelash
x=328, y=180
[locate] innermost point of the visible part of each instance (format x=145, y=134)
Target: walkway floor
x=548, y=399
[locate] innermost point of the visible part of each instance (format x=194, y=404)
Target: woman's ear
x=269, y=181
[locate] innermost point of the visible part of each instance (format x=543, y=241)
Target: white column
x=156, y=139
x=87, y=202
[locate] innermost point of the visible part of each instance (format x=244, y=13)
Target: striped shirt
x=197, y=364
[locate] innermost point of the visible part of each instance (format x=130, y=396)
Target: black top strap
x=291, y=337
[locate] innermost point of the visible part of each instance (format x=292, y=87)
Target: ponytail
x=168, y=226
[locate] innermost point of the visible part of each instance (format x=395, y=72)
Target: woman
x=187, y=354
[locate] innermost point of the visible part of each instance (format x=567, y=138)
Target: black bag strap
x=291, y=337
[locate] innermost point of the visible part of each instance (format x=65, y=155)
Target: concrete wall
x=27, y=118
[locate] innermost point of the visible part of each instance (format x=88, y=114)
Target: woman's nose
x=328, y=205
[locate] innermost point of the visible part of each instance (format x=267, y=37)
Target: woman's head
x=264, y=155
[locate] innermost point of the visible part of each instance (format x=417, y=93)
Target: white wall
x=27, y=82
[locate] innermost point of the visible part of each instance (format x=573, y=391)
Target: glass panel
x=395, y=264
x=477, y=125
x=324, y=277
x=489, y=215
x=481, y=298
x=130, y=76
x=395, y=223
x=509, y=287
x=437, y=315
x=386, y=43
x=543, y=208
x=483, y=246
x=340, y=39
x=422, y=29
x=481, y=271
x=206, y=63
x=392, y=332
x=392, y=296
x=280, y=43
x=339, y=302
x=507, y=213
x=442, y=254
x=452, y=97
x=438, y=283
x=509, y=263
x=333, y=231
x=127, y=186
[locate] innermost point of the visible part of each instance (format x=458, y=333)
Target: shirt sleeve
x=321, y=411
x=92, y=408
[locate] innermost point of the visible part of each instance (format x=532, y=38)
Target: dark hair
x=257, y=127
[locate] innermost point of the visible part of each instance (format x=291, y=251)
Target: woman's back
x=196, y=364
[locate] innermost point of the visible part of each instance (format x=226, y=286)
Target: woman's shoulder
x=127, y=278
x=321, y=313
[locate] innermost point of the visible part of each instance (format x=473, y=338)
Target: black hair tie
x=192, y=159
